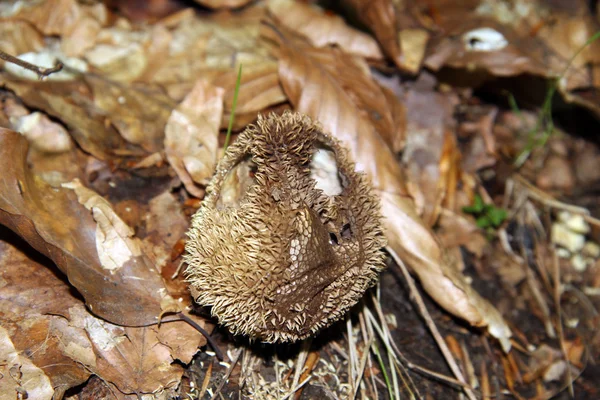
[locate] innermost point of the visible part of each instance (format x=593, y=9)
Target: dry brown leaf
x=70, y=102
x=54, y=222
x=18, y=37
x=223, y=3
x=426, y=134
x=259, y=89
x=138, y=113
x=191, y=135
x=323, y=29
x=42, y=133
x=165, y=225
x=505, y=39
x=32, y=303
x=400, y=35
x=61, y=337
x=20, y=378
x=209, y=45
x=326, y=85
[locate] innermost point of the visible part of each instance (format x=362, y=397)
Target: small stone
x=566, y=238
x=578, y=263
x=591, y=249
x=574, y=222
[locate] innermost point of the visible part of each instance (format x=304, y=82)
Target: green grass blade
x=233, y=106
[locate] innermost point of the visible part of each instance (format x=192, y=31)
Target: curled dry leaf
x=125, y=290
x=323, y=29
x=191, y=135
x=331, y=93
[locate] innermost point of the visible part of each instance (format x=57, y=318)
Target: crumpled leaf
x=327, y=86
x=40, y=312
x=191, y=135
x=323, y=29
x=55, y=223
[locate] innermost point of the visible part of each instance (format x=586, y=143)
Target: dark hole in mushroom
x=333, y=239
x=346, y=232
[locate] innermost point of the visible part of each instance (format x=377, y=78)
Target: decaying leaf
x=323, y=29
x=322, y=90
x=395, y=27
x=259, y=89
x=71, y=103
x=51, y=328
x=223, y=3
x=191, y=135
x=19, y=376
x=291, y=254
x=126, y=289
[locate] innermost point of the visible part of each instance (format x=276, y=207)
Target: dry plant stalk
x=283, y=244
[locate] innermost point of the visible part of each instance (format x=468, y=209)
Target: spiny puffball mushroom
x=276, y=250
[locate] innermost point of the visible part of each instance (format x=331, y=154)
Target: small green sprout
x=488, y=216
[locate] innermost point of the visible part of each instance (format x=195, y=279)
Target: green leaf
x=483, y=222
x=477, y=206
x=496, y=216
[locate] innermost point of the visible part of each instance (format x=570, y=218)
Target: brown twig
x=209, y=339
x=41, y=72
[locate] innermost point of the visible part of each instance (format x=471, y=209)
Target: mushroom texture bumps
x=289, y=236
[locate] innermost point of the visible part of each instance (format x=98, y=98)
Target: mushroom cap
x=277, y=249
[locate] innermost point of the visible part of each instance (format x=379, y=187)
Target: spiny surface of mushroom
x=288, y=237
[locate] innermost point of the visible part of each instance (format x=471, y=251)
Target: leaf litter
x=105, y=162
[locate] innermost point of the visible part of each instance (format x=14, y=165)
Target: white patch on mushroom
x=484, y=39
x=323, y=169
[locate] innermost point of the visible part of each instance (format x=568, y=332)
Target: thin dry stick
x=368, y=335
x=39, y=71
x=301, y=361
x=431, y=325
x=361, y=371
x=559, y=325
x=351, y=352
x=550, y=201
